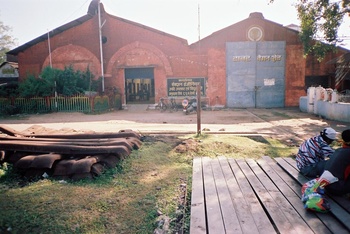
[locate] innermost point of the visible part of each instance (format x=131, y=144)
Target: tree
x=319, y=22
x=6, y=41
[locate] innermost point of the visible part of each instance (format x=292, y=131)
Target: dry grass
x=127, y=199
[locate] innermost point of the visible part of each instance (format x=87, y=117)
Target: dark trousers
x=314, y=170
x=340, y=187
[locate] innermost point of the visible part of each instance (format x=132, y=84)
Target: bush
x=32, y=87
x=65, y=82
x=9, y=90
x=11, y=110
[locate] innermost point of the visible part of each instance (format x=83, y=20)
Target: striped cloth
x=312, y=151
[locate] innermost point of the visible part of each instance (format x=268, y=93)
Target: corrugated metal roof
x=12, y=64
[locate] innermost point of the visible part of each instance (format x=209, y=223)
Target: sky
x=187, y=19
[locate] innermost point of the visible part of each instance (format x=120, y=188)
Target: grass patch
x=125, y=199
x=237, y=146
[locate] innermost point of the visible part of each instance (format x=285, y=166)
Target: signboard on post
x=184, y=87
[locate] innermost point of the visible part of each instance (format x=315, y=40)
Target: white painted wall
x=324, y=104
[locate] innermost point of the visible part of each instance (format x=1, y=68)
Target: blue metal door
x=255, y=74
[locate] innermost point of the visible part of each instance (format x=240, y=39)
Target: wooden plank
x=280, y=220
x=278, y=176
x=242, y=207
x=291, y=162
x=229, y=215
x=198, y=219
x=341, y=214
x=291, y=170
x=213, y=211
x=247, y=196
x=260, y=217
x=9, y=131
x=285, y=206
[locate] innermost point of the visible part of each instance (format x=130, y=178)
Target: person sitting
x=339, y=166
x=313, y=153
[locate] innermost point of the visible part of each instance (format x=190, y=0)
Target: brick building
x=8, y=73
x=252, y=63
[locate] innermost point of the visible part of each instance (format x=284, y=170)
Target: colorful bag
x=310, y=187
x=312, y=192
x=316, y=202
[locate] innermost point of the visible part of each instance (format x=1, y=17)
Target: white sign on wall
x=269, y=82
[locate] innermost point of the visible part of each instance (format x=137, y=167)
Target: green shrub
x=11, y=110
x=35, y=87
x=65, y=82
x=9, y=90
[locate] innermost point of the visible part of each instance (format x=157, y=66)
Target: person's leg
x=309, y=171
x=313, y=171
x=337, y=188
x=320, y=167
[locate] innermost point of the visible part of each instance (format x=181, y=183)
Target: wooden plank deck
x=257, y=196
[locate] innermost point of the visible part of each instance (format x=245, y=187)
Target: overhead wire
x=67, y=18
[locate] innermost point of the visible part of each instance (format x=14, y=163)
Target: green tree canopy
x=320, y=21
x=6, y=41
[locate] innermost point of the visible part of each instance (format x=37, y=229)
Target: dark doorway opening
x=139, y=85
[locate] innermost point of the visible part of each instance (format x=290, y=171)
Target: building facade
x=8, y=73
x=252, y=63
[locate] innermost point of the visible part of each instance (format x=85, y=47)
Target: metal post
x=199, y=109
x=199, y=94
x=101, y=52
x=48, y=41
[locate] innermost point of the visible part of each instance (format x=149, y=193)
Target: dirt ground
x=288, y=124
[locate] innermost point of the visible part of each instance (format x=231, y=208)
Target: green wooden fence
x=31, y=105
x=59, y=104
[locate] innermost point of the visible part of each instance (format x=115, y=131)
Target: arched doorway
x=139, y=85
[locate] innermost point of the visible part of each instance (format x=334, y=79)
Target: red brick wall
x=295, y=75
x=130, y=44
x=79, y=46
x=216, y=88
x=297, y=67
x=85, y=35
x=238, y=32
x=316, y=68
